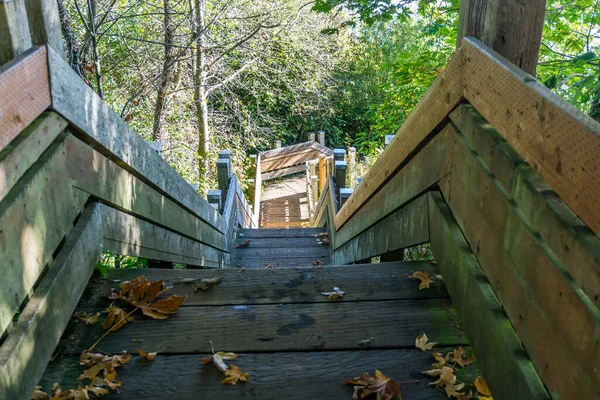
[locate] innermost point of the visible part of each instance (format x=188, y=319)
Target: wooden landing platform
x=294, y=342
x=284, y=204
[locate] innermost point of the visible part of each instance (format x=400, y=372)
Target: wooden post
x=311, y=137
x=278, y=144
x=352, y=166
x=339, y=154
x=340, y=176
x=215, y=199
x=44, y=23
x=344, y=195
x=321, y=137
x=223, y=173
x=15, y=37
x=225, y=155
x=513, y=28
x=322, y=172
x=314, y=186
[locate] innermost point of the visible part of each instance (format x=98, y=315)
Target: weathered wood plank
x=276, y=163
x=27, y=349
x=15, y=38
x=34, y=218
x=231, y=218
x=282, y=172
x=558, y=141
x=383, y=281
x=127, y=235
x=260, y=262
x=280, y=242
x=278, y=233
x=294, y=375
x=426, y=119
x=295, y=148
x=25, y=91
x=95, y=174
x=257, y=191
x=297, y=327
x=426, y=168
x=44, y=23
x=507, y=369
x=100, y=126
x=26, y=148
x=513, y=28
x=406, y=227
x=292, y=251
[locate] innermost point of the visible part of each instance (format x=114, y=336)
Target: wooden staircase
x=294, y=342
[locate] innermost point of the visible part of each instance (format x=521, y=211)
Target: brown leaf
x=116, y=318
x=142, y=293
x=83, y=392
x=218, y=359
x=38, y=394
x=207, y=284
x=483, y=391
x=366, y=385
x=317, y=263
x=148, y=356
x=421, y=342
x=101, y=363
x=445, y=374
x=245, y=243
x=459, y=356
x=87, y=318
x=234, y=374
x=335, y=295
x=423, y=277
x=109, y=381
x=441, y=361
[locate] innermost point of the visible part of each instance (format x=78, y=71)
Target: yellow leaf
x=234, y=374
x=483, y=389
x=458, y=356
x=423, y=277
x=147, y=356
x=421, y=343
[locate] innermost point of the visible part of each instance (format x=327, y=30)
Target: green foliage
x=109, y=260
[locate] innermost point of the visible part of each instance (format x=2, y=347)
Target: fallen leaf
x=365, y=342
x=148, y=356
x=423, y=277
x=317, y=263
x=271, y=266
x=335, y=295
x=207, y=284
x=38, y=394
x=218, y=359
x=87, y=318
x=421, y=342
x=453, y=390
x=459, y=356
x=83, y=392
x=483, y=391
x=142, y=294
x=234, y=374
x=109, y=381
x=445, y=374
x=366, y=385
x=439, y=357
x=245, y=243
x=116, y=318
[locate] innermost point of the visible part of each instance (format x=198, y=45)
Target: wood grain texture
x=280, y=162
x=44, y=23
x=27, y=349
x=297, y=375
x=558, y=141
x=383, y=281
x=257, y=191
x=406, y=227
x=431, y=164
x=426, y=119
x=20, y=154
x=128, y=235
x=280, y=262
x=97, y=124
x=507, y=368
x=15, y=37
x=513, y=28
x=545, y=307
x=280, y=233
x=25, y=92
x=282, y=172
x=95, y=174
x=34, y=218
x=297, y=327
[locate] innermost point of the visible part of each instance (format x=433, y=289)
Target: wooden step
x=272, y=233
x=291, y=375
x=280, y=262
x=262, y=242
x=313, y=252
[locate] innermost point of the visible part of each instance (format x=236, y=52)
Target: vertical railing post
x=321, y=135
x=311, y=137
x=352, y=166
x=15, y=37
x=278, y=144
x=224, y=170
x=215, y=199
x=345, y=193
x=340, y=176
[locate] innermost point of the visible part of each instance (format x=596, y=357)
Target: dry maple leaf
x=83, y=392
x=207, y=284
x=458, y=356
x=366, y=385
x=218, y=359
x=101, y=363
x=441, y=361
x=234, y=374
x=148, y=356
x=335, y=295
x=142, y=294
x=421, y=342
x=483, y=391
x=423, y=277
x=445, y=376
x=87, y=318
x=453, y=391
x=38, y=394
x=109, y=381
x=116, y=318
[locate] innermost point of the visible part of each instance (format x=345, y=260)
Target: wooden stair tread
x=268, y=232
x=280, y=262
x=292, y=375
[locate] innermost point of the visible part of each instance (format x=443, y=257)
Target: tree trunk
x=200, y=98
x=167, y=73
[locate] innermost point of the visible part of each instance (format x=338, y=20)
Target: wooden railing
x=501, y=177
x=74, y=180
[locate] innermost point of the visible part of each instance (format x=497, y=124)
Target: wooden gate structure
x=497, y=173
